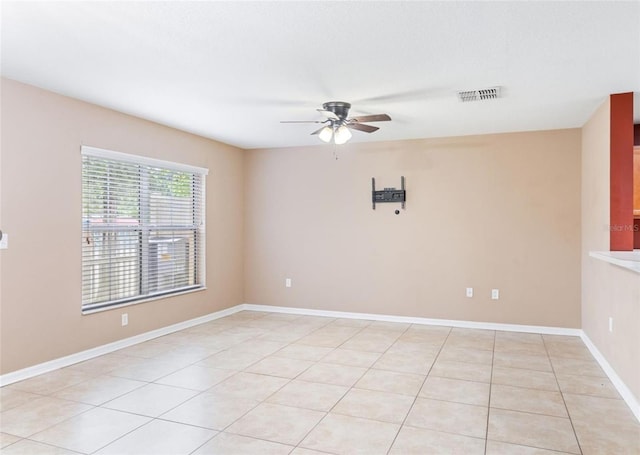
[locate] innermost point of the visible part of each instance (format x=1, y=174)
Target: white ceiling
x=232, y=70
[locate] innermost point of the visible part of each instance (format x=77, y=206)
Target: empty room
x=319, y=227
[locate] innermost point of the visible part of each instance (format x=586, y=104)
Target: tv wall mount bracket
x=388, y=194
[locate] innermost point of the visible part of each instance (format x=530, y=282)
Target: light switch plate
x=4, y=242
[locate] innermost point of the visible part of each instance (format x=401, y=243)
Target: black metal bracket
x=388, y=194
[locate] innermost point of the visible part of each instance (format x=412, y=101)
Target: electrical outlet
x=125, y=319
x=610, y=324
x=4, y=241
x=287, y=282
x=469, y=292
x=495, y=294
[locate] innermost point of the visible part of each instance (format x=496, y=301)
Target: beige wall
x=40, y=187
x=607, y=290
x=495, y=211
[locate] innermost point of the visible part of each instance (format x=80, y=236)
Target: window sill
x=629, y=260
x=137, y=302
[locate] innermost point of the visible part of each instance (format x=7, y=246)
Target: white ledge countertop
x=627, y=259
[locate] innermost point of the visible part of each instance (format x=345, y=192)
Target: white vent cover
x=490, y=93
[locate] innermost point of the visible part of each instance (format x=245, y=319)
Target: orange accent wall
x=621, y=172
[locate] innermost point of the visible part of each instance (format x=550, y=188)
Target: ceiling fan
x=337, y=123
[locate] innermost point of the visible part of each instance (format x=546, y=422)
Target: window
x=142, y=228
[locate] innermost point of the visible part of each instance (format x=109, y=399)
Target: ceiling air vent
x=479, y=95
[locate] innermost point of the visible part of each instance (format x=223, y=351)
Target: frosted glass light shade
x=342, y=135
x=326, y=134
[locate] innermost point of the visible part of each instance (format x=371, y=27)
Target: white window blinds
x=142, y=228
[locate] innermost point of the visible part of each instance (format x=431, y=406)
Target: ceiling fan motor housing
x=340, y=108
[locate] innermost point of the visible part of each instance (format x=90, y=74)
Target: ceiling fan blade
x=330, y=115
x=371, y=118
x=301, y=121
x=362, y=127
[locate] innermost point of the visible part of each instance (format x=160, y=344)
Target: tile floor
x=265, y=383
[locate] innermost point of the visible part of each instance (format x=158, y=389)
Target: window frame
x=199, y=232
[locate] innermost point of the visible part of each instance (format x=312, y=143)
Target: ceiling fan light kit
x=339, y=124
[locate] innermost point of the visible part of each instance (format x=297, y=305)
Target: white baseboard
x=29, y=372
x=620, y=386
x=62, y=362
x=417, y=320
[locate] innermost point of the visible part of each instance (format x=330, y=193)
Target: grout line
x=575, y=435
x=486, y=432
x=419, y=389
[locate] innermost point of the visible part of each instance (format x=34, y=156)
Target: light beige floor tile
x=231, y=360
x=461, y=370
x=160, y=437
x=405, y=362
x=468, y=392
x=151, y=400
x=375, y=341
x=262, y=348
x=520, y=337
x=303, y=352
x=374, y=405
x=541, y=380
x=351, y=435
x=477, y=334
x=49, y=383
x=303, y=451
x=564, y=350
x=518, y=347
x=196, y=377
x=284, y=424
x=562, y=340
x=449, y=417
x=351, y=358
x=250, y=386
x=99, y=390
x=208, y=410
x=104, y=363
x=419, y=441
x=7, y=439
x=545, y=432
x=330, y=373
x=327, y=338
x=426, y=332
x=264, y=323
x=39, y=414
x=148, y=349
x=391, y=326
x=528, y=400
x=503, y=448
x=587, y=385
x=607, y=438
x=283, y=317
x=147, y=370
x=577, y=367
x=403, y=346
x=279, y=366
x=391, y=381
x=234, y=444
x=468, y=355
x=471, y=338
x=27, y=447
x=346, y=322
x=12, y=398
x=598, y=410
x=523, y=361
x=188, y=354
x=309, y=395
x=91, y=430
x=284, y=336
